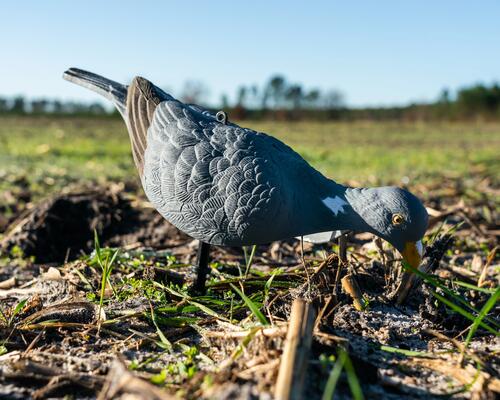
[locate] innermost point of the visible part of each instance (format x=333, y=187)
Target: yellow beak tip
x=412, y=253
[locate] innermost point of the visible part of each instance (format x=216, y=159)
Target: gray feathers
x=207, y=177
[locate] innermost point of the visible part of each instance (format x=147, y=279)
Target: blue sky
x=375, y=52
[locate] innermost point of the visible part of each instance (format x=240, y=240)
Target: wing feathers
x=142, y=99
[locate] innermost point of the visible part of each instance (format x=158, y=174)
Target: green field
x=49, y=153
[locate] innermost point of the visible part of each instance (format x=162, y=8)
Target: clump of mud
x=62, y=227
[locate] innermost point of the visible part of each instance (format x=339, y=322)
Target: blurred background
x=368, y=92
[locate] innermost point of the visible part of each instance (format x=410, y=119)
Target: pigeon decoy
x=230, y=186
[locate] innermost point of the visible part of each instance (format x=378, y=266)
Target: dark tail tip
x=113, y=91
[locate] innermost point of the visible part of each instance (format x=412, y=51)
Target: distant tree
x=495, y=93
x=444, y=96
x=4, y=105
x=241, y=96
x=265, y=97
x=254, y=92
x=285, y=99
x=224, y=101
x=39, y=106
x=239, y=110
x=478, y=99
x=333, y=100
x=18, y=105
x=96, y=109
x=312, y=97
x=77, y=108
x=294, y=96
x=443, y=107
x=57, y=107
x=194, y=92
x=276, y=89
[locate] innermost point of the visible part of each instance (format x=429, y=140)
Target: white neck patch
x=336, y=204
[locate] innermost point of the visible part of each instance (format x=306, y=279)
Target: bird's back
x=218, y=182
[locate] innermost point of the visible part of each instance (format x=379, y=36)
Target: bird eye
x=397, y=219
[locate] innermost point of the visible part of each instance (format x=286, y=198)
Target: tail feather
x=111, y=90
x=136, y=103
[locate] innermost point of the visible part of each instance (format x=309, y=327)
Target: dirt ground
x=153, y=339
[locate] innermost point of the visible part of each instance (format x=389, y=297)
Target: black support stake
x=201, y=268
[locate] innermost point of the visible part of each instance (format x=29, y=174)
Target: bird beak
x=412, y=253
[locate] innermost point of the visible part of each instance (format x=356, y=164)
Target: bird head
x=395, y=215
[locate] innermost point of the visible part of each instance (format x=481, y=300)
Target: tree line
x=281, y=99
x=19, y=105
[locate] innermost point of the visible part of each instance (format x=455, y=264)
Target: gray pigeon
x=230, y=186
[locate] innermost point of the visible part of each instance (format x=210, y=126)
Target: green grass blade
x=252, y=306
x=172, y=291
x=473, y=287
x=111, y=263
x=464, y=313
x=269, y=282
x=408, y=353
x=165, y=343
x=453, y=229
x=106, y=266
x=208, y=310
x=484, y=311
x=17, y=310
x=200, y=306
x=97, y=248
x=109, y=269
x=84, y=279
x=436, y=283
x=249, y=261
x=352, y=379
x=331, y=383
x=244, y=343
x=437, y=232
x=19, y=307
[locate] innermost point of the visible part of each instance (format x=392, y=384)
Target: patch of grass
x=382, y=152
x=164, y=342
x=492, y=301
x=202, y=307
x=8, y=320
x=48, y=154
x=254, y=308
x=457, y=303
x=105, y=260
